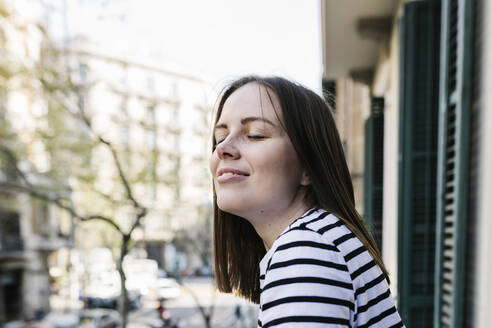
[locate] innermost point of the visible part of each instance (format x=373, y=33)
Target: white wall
x=386, y=85
x=483, y=282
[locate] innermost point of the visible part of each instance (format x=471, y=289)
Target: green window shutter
x=373, y=169
x=453, y=162
x=417, y=160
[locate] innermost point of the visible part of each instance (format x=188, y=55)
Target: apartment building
x=418, y=71
x=158, y=121
x=31, y=232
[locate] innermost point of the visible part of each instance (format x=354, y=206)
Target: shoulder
x=321, y=235
x=305, y=275
x=318, y=256
x=303, y=236
x=323, y=226
x=305, y=247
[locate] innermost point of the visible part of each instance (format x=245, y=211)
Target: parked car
x=166, y=288
x=99, y=318
x=104, y=292
x=203, y=271
x=141, y=274
x=111, y=302
x=87, y=318
x=58, y=319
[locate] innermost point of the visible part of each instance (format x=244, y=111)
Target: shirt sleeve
x=307, y=284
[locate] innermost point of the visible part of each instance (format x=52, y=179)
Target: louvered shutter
x=417, y=160
x=453, y=162
x=373, y=169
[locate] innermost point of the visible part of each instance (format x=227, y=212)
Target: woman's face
x=254, y=166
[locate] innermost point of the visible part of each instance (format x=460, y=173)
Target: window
x=417, y=160
x=83, y=70
x=454, y=164
x=373, y=169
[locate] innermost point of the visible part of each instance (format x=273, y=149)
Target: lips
x=230, y=175
x=229, y=171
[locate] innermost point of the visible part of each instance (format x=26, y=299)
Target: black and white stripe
x=319, y=274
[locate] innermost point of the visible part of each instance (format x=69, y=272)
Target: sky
x=215, y=40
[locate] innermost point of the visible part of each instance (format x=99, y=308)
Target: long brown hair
x=309, y=123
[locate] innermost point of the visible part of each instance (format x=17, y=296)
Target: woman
x=286, y=232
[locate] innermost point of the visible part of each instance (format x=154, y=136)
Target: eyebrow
x=247, y=120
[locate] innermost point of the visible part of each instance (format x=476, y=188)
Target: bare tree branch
x=32, y=190
x=61, y=94
x=123, y=178
x=142, y=212
x=81, y=115
x=102, y=218
x=108, y=197
x=61, y=202
x=12, y=160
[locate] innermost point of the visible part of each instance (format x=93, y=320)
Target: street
x=186, y=310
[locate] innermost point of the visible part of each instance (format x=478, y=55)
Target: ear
x=305, y=180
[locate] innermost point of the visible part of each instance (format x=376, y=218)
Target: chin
x=236, y=206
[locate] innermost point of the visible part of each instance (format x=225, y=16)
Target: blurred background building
x=413, y=105
x=408, y=82
x=157, y=119
x=31, y=232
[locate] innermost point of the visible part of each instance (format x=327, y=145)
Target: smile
x=230, y=175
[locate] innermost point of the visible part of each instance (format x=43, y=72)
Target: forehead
x=251, y=99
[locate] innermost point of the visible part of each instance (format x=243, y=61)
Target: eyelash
x=257, y=137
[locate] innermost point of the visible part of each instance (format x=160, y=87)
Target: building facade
x=422, y=67
x=30, y=231
x=158, y=121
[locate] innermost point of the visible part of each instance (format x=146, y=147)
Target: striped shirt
x=318, y=274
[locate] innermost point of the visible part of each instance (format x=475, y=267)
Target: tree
x=199, y=242
x=59, y=147
x=57, y=158
x=19, y=181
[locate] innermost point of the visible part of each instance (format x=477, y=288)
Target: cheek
x=214, y=161
x=281, y=167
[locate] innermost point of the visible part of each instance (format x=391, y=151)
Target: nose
x=227, y=149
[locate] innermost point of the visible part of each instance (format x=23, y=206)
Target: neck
x=270, y=223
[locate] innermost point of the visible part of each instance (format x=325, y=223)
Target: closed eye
x=255, y=137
